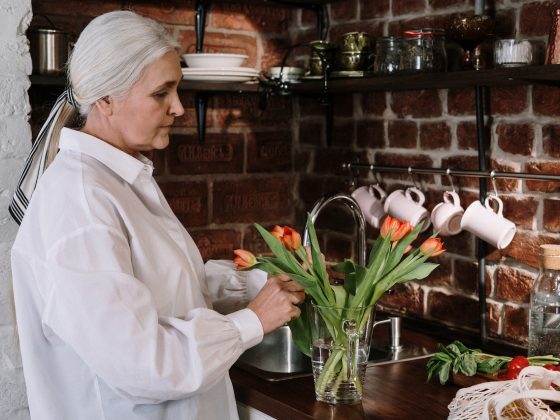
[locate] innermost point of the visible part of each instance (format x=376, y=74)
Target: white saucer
x=218, y=77
x=238, y=71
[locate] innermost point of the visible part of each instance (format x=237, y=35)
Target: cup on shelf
x=446, y=216
x=370, y=199
x=513, y=52
x=487, y=224
x=407, y=205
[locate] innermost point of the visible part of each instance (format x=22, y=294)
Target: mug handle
x=381, y=194
x=419, y=195
x=452, y=197
x=488, y=205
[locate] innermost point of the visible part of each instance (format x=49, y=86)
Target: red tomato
x=518, y=363
x=550, y=367
x=509, y=374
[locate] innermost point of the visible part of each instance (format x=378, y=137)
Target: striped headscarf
x=42, y=154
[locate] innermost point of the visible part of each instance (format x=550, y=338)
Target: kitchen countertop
x=395, y=390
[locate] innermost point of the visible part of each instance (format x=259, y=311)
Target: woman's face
x=142, y=118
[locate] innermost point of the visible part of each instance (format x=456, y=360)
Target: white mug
x=488, y=225
x=407, y=205
x=446, y=216
x=371, y=200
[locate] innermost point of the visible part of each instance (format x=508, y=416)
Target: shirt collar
x=123, y=164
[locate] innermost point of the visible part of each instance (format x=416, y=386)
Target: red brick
x=462, y=162
x=416, y=104
x=461, y=244
x=546, y=100
x=435, y=135
x=525, y=247
x=445, y=4
x=397, y=27
x=374, y=103
x=551, y=140
x=535, y=18
x=243, y=110
x=406, y=298
x=254, y=242
x=311, y=132
x=506, y=23
x=87, y=8
x=513, y=284
x=310, y=107
x=404, y=7
x=503, y=184
x=543, y=168
x=397, y=159
x=188, y=200
x=310, y=188
x=466, y=276
x=508, y=100
x=494, y=316
x=338, y=249
x=218, y=154
x=516, y=138
x=403, y=134
x=452, y=309
x=343, y=133
x=174, y=12
x=343, y=105
x=188, y=119
x=374, y=9
x=344, y=11
x=249, y=17
x=216, y=244
x=158, y=159
x=222, y=42
x=551, y=215
x=441, y=276
x=273, y=51
x=329, y=161
x=252, y=199
x=460, y=102
x=516, y=324
x=336, y=218
x=373, y=29
x=269, y=151
x=371, y=133
x=521, y=211
x=467, y=135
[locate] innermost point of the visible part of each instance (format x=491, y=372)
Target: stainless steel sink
x=277, y=358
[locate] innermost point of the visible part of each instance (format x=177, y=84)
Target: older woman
x=112, y=297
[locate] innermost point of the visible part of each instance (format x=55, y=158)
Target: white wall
x=15, y=142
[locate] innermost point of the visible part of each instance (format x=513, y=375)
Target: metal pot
x=50, y=49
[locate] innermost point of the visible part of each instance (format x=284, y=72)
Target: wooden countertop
x=391, y=391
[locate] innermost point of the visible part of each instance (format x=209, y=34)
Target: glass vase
x=341, y=340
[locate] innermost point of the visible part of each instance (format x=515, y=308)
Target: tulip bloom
x=395, y=228
x=288, y=236
x=244, y=259
x=432, y=247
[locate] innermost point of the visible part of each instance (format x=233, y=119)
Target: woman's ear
x=105, y=106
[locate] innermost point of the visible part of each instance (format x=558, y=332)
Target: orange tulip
x=395, y=228
x=244, y=259
x=432, y=247
x=288, y=236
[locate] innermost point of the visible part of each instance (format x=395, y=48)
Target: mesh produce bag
x=531, y=396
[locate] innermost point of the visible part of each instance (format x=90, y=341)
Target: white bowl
x=214, y=60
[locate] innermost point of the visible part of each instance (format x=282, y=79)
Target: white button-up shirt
x=113, y=300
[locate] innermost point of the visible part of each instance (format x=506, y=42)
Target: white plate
x=220, y=70
x=217, y=78
x=214, y=60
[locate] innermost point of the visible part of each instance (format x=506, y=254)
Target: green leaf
x=346, y=267
x=468, y=365
x=443, y=373
x=350, y=283
x=340, y=295
x=418, y=273
x=317, y=258
x=301, y=329
x=492, y=364
x=398, y=252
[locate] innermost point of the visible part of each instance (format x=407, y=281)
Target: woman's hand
x=276, y=302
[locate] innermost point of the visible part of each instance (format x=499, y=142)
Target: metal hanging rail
x=452, y=172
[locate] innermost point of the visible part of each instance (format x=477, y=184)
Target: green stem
x=328, y=370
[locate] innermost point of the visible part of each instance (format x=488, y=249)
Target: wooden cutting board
x=465, y=381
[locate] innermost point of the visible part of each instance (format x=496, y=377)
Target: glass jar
x=544, y=314
x=388, y=55
x=424, y=50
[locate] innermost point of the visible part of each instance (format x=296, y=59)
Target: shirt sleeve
x=229, y=289
x=98, y=307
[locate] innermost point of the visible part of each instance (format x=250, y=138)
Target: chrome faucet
x=358, y=217
x=352, y=204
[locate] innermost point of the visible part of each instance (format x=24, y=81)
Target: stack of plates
x=220, y=74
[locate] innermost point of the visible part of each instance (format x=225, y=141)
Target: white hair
x=111, y=54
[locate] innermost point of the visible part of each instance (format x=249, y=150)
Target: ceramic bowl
x=208, y=60
x=353, y=61
x=289, y=74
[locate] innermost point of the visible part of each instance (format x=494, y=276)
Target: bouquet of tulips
x=392, y=260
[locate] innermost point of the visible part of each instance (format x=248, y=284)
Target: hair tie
x=70, y=98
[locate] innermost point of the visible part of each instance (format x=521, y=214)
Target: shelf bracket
x=201, y=102
x=201, y=9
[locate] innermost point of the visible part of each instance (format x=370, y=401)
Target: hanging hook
x=448, y=173
x=376, y=174
x=493, y=177
x=351, y=175
x=410, y=174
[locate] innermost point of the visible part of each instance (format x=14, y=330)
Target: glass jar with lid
x=544, y=313
x=388, y=55
x=424, y=50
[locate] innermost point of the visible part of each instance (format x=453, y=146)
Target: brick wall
x=15, y=65
x=271, y=166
